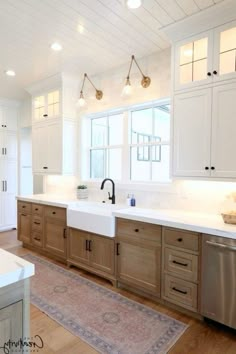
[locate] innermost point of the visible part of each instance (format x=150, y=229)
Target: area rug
x=109, y=322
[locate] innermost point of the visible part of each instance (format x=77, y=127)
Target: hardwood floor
x=199, y=338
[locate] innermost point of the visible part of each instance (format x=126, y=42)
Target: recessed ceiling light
x=81, y=29
x=133, y=4
x=56, y=46
x=10, y=73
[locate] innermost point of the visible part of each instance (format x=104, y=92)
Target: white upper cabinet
x=206, y=58
x=8, y=118
x=204, y=133
x=46, y=106
x=191, y=135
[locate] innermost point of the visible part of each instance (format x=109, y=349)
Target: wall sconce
x=98, y=94
x=145, y=82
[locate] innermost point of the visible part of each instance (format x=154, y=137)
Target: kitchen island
x=14, y=302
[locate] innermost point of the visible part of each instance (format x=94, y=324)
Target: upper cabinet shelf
x=47, y=106
x=206, y=58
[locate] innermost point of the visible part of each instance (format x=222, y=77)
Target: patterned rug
x=107, y=321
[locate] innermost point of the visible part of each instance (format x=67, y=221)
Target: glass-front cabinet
x=46, y=106
x=205, y=58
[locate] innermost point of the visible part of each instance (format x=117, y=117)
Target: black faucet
x=113, y=197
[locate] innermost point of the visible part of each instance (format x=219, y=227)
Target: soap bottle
x=128, y=200
x=132, y=201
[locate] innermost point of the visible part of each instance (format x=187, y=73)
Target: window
x=132, y=145
x=106, y=146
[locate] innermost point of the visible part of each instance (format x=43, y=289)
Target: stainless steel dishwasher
x=218, y=300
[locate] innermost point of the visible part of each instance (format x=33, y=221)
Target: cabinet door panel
x=224, y=131
x=192, y=132
x=55, y=236
x=54, y=152
x=24, y=227
x=39, y=140
x=102, y=253
x=139, y=265
x=77, y=244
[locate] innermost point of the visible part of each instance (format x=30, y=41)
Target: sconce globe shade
x=127, y=90
x=133, y=4
x=81, y=102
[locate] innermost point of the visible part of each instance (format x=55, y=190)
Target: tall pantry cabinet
x=8, y=163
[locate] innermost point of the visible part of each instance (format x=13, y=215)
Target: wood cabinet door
x=224, y=131
x=102, y=251
x=11, y=325
x=192, y=134
x=139, y=265
x=55, y=236
x=24, y=227
x=78, y=246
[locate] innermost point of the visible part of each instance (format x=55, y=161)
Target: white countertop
x=49, y=199
x=13, y=268
x=192, y=221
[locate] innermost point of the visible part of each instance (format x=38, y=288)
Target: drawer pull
x=64, y=233
x=86, y=245
x=23, y=206
x=179, y=263
x=136, y=230
x=179, y=291
x=23, y=214
x=53, y=212
x=37, y=239
x=36, y=223
x=36, y=209
x=179, y=239
x=89, y=246
x=117, y=249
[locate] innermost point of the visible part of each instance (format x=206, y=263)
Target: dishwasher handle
x=221, y=245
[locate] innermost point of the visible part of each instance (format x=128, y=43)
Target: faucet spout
x=112, y=198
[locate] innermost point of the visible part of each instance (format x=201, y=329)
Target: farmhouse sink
x=93, y=217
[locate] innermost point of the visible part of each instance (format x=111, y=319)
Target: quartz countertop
x=13, y=268
x=212, y=224
x=49, y=199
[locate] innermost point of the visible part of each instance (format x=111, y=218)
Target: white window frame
x=125, y=173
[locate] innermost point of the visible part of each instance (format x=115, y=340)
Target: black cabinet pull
x=36, y=223
x=179, y=291
x=36, y=209
x=23, y=214
x=86, y=245
x=89, y=246
x=208, y=74
x=53, y=212
x=215, y=72
x=23, y=206
x=136, y=230
x=212, y=167
x=36, y=239
x=179, y=263
x=45, y=167
x=64, y=233
x=45, y=115
x=206, y=168
x=117, y=249
x=179, y=239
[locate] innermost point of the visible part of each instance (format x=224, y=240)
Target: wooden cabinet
x=138, y=260
x=24, y=220
x=55, y=231
x=181, y=268
x=206, y=58
x=92, y=252
x=204, y=132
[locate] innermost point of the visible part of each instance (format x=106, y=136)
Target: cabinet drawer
x=180, y=292
x=37, y=224
x=181, y=264
x=37, y=239
x=55, y=212
x=182, y=239
x=24, y=207
x=139, y=230
x=37, y=209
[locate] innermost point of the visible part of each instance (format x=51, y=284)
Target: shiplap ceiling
x=111, y=33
